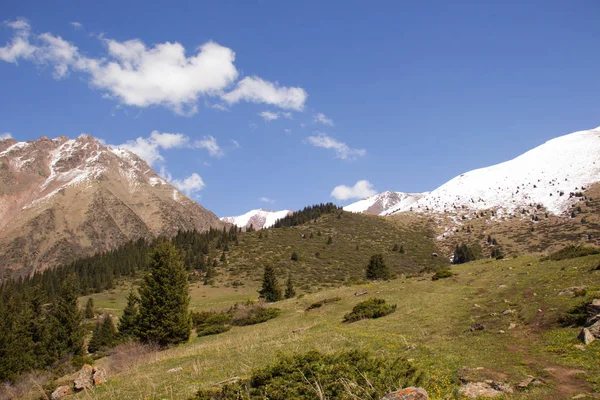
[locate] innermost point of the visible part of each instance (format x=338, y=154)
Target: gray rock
x=586, y=336
x=99, y=376
x=476, y=390
x=572, y=291
x=60, y=392
x=84, y=378
x=410, y=393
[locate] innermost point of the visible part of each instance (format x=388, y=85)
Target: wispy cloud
x=269, y=116
x=322, y=119
x=235, y=143
x=210, y=143
x=360, y=190
x=342, y=150
x=5, y=135
x=257, y=90
x=266, y=200
x=76, y=25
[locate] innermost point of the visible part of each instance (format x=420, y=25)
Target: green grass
x=430, y=327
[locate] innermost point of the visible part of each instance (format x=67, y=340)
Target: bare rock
x=477, y=327
x=573, y=291
x=174, y=370
x=410, y=393
x=586, y=336
x=510, y=311
x=99, y=376
x=84, y=378
x=476, y=390
x=60, y=392
x=360, y=293
x=530, y=381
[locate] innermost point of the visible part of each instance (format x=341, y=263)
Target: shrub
x=344, y=375
x=441, y=274
x=571, y=251
x=321, y=303
x=213, y=330
x=372, y=308
x=251, y=315
x=211, y=322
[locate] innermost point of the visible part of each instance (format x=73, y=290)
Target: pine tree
x=210, y=274
x=89, y=308
x=396, y=248
x=104, y=335
x=295, y=256
x=96, y=341
x=223, y=258
x=290, y=292
x=377, y=270
x=164, y=316
x=270, y=287
x=401, y=249
x=329, y=240
x=128, y=321
x=463, y=254
x=66, y=330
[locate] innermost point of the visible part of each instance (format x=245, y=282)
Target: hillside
x=355, y=238
x=431, y=327
x=65, y=198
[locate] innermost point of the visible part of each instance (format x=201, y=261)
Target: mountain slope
x=258, y=218
x=65, y=198
x=383, y=202
x=545, y=176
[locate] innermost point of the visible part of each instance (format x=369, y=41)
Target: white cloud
x=209, y=143
x=266, y=200
x=342, y=150
x=19, y=47
x=257, y=90
x=189, y=185
x=219, y=107
x=148, y=148
x=273, y=115
x=321, y=118
x=360, y=190
x=288, y=131
x=169, y=140
x=161, y=75
x=5, y=135
x=76, y=25
x=235, y=143
x=269, y=116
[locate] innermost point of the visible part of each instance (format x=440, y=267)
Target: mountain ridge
x=64, y=198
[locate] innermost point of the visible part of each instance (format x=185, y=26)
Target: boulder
x=489, y=389
x=410, y=393
x=573, y=291
x=593, y=313
x=60, y=392
x=586, y=336
x=84, y=378
x=170, y=371
x=99, y=376
x=477, y=327
x=530, y=381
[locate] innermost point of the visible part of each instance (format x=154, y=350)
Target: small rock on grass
x=410, y=393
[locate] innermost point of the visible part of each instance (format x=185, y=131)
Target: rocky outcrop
x=410, y=393
x=99, y=376
x=84, y=378
x=60, y=392
x=591, y=329
x=489, y=389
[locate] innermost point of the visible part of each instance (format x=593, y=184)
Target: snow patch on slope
x=259, y=218
x=382, y=203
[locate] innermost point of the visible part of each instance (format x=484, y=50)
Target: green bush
x=321, y=303
x=372, y=308
x=441, y=274
x=344, y=375
x=213, y=330
x=572, y=251
x=251, y=315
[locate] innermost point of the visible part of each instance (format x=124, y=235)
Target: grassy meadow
x=430, y=327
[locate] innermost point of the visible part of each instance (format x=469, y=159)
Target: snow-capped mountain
x=383, y=202
x=258, y=218
x=64, y=198
x=545, y=176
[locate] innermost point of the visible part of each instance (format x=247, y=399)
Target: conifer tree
x=128, y=321
x=223, y=258
x=270, y=287
x=329, y=240
x=104, y=335
x=164, y=317
x=210, y=274
x=66, y=330
x=89, y=308
x=294, y=256
x=290, y=292
x=377, y=270
x=401, y=251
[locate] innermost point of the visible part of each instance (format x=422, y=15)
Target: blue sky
x=405, y=95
